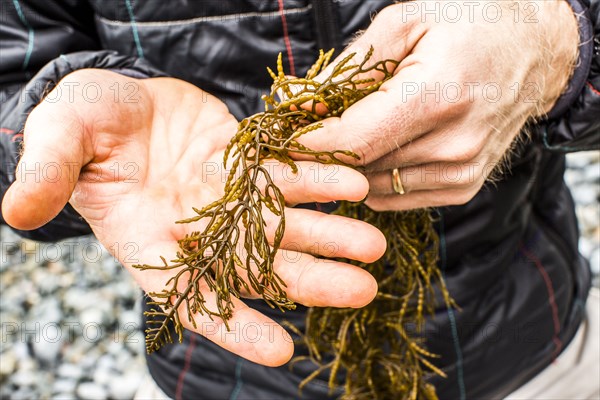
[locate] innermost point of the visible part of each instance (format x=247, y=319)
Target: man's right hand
x=132, y=168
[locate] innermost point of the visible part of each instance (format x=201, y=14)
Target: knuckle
x=443, y=98
x=440, y=104
x=463, y=151
x=448, y=108
x=455, y=106
x=470, y=151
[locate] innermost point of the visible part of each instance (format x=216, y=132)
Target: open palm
x=131, y=168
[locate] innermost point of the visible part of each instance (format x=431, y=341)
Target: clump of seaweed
x=378, y=346
x=232, y=255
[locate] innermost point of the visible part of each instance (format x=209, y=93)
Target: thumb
x=49, y=167
x=385, y=39
x=392, y=36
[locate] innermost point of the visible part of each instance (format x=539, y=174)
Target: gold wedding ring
x=397, y=182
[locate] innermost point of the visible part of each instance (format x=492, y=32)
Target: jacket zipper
x=327, y=25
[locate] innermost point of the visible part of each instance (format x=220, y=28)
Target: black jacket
x=509, y=256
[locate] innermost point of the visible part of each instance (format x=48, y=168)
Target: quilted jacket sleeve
x=41, y=43
x=574, y=123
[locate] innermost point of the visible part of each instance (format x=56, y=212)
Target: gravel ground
x=583, y=177
x=70, y=322
x=69, y=312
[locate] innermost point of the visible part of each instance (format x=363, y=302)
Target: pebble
x=130, y=320
x=127, y=292
x=69, y=371
x=586, y=247
x=23, y=378
x=106, y=361
x=79, y=299
x=5, y=391
x=135, y=342
x=95, y=317
x=47, y=348
x=114, y=347
x=64, y=386
x=574, y=177
x=592, y=173
x=582, y=159
x=5, y=260
x=583, y=177
x=91, y=391
x=47, y=312
x=8, y=364
x=46, y=282
x=595, y=261
x=585, y=194
x=63, y=396
x=90, y=358
x=103, y=376
x=124, y=358
x=23, y=394
x=21, y=352
x=588, y=220
x=124, y=387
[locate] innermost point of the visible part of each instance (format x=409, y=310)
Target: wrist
x=559, y=46
x=583, y=63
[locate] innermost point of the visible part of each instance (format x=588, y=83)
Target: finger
x=315, y=182
x=48, y=169
x=422, y=199
x=440, y=145
x=331, y=236
x=399, y=39
x=324, y=283
x=252, y=335
x=431, y=176
x=373, y=127
x=317, y=233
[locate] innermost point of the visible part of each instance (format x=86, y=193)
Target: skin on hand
x=132, y=168
x=469, y=78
